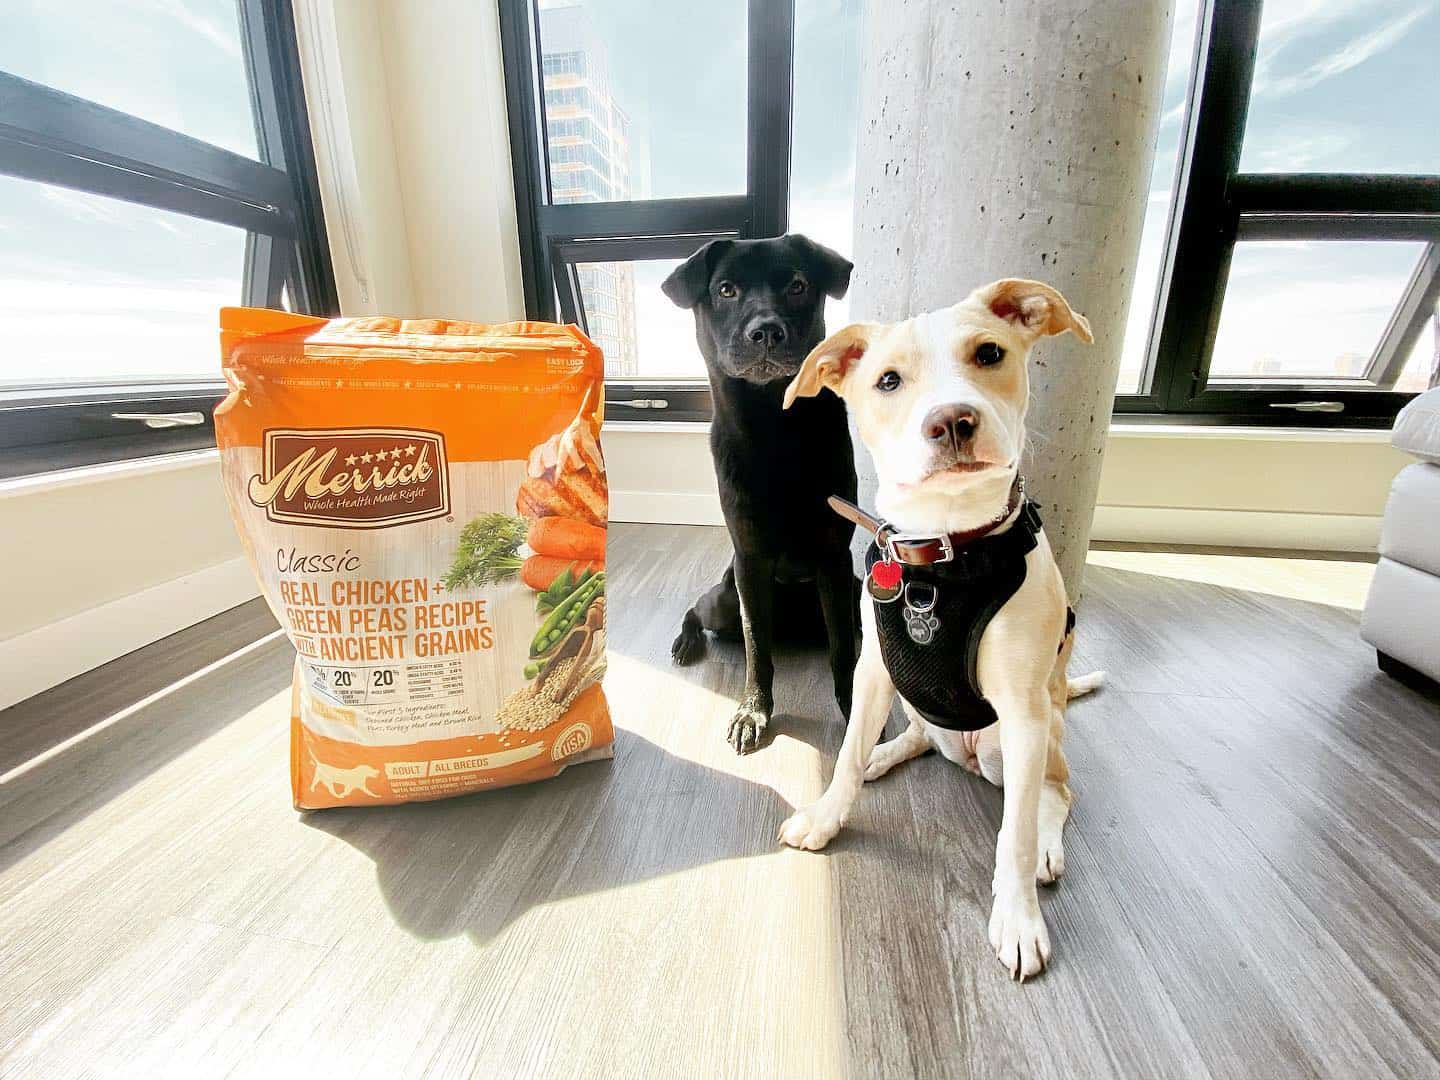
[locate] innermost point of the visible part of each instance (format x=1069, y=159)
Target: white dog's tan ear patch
x=1035, y=307
x=830, y=361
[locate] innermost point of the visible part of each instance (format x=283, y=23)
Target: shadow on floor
x=446, y=869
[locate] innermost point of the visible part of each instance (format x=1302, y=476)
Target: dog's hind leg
x=717, y=610
x=835, y=582
x=1055, y=802
x=689, y=644
x=910, y=743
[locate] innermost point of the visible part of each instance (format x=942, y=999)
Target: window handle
x=159, y=421
x=643, y=403
x=1310, y=406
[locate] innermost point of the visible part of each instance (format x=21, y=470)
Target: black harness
x=939, y=613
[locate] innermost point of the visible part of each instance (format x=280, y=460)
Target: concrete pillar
x=1013, y=138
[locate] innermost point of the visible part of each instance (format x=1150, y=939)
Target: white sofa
x=1402, y=613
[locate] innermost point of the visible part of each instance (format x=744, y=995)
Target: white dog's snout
x=952, y=424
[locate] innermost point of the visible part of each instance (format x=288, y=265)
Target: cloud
x=1286, y=20
x=224, y=37
x=1349, y=56
x=1294, y=153
x=81, y=206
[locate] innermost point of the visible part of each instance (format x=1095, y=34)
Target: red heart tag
x=883, y=583
x=886, y=575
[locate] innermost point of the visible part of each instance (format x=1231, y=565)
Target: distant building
x=589, y=148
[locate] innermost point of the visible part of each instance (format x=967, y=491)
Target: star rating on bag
x=395, y=453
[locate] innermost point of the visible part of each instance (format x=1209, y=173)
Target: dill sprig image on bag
x=487, y=551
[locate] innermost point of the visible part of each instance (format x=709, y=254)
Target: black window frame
x=554, y=237
x=1214, y=205
x=55, y=138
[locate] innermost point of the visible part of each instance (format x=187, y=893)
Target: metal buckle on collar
x=947, y=548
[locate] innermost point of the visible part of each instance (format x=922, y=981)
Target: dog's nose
x=953, y=424
x=767, y=333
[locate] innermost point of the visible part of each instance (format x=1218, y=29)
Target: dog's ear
x=830, y=361
x=1035, y=307
x=688, y=282
x=829, y=269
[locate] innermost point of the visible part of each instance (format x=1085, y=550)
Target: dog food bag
x=424, y=504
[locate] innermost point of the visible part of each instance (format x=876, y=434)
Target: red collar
x=925, y=549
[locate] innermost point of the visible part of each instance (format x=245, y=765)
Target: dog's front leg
x=1017, y=929
x=755, y=582
x=835, y=582
x=814, y=827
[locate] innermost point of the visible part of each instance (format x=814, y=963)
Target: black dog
x=759, y=309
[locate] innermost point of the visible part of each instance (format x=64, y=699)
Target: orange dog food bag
x=424, y=504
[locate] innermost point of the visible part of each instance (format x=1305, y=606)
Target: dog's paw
x=747, y=727
x=689, y=644
x=1051, y=862
x=810, y=829
x=1018, y=936
x=884, y=758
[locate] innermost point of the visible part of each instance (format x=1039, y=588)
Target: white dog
x=940, y=402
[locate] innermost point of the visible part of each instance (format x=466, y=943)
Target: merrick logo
x=352, y=478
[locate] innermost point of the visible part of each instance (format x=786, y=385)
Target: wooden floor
x=1253, y=882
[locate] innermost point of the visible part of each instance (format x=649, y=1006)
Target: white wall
x=1225, y=487
x=97, y=562
x=341, y=52
x=407, y=108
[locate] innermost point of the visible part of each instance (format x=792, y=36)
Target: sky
x=95, y=288
x=1340, y=86
x=98, y=289
x=1328, y=79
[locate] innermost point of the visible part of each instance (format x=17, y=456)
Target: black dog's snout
x=952, y=424
x=767, y=333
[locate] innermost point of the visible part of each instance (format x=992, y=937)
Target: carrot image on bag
x=541, y=572
x=567, y=538
x=408, y=493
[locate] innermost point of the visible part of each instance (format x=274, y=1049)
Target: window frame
x=554, y=237
x=54, y=138
x=1213, y=206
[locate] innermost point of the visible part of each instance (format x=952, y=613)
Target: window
x=1294, y=269
x=619, y=178
x=152, y=170
x=1285, y=180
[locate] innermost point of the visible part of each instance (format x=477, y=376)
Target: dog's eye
x=989, y=354
x=727, y=290
x=796, y=287
x=888, y=382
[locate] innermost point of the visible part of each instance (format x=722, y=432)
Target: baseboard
x=666, y=507
x=39, y=659
x=1137, y=524
x=1236, y=528
x=47, y=656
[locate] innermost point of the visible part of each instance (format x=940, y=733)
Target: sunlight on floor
x=1331, y=582
x=689, y=721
